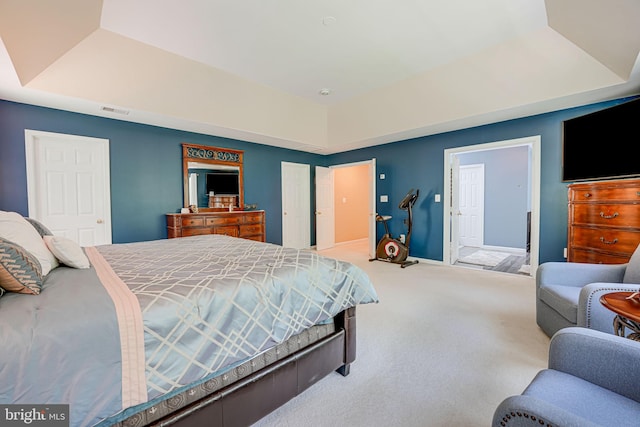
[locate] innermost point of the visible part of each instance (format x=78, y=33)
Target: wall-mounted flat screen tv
x=602, y=145
x=223, y=182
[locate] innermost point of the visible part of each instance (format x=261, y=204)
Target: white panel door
x=325, y=211
x=296, y=205
x=471, y=205
x=372, y=208
x=68, y=185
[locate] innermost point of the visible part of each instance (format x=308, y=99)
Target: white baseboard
x=351, y=242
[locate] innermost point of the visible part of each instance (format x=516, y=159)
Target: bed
x=199, y=330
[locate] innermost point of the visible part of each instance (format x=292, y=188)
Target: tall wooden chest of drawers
x=604, y=221
x=244, y=224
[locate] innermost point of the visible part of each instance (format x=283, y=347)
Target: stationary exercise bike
x=395, y=250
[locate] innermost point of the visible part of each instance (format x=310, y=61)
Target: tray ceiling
x=319, y=76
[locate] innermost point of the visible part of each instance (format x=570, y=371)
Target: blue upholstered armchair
x=568, y=293
x=593, y=379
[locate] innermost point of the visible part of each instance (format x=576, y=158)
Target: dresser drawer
x=607, y=194
x=193, y=222
x=593, y=257
x=250, y=229
x=224, y=220
x=251, y=218
x=194, y=232
x=226, y=230
x=613, y=215
x=615, y=241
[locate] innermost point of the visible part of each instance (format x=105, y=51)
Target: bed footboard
x=250, y=399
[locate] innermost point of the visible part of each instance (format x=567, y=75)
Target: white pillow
x=67, y=251
x=15, y=228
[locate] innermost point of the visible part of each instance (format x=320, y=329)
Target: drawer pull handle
x=615, y=214
x=587, y=195
x=606, y=242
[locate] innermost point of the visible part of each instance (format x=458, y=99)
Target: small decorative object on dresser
x=244, y=224
x=604, y=221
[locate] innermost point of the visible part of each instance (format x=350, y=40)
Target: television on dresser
x=223, y=182
x=602, y=145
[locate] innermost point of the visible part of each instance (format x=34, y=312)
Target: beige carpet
x=444, y=347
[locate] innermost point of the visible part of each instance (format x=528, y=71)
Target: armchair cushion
x=564, y=299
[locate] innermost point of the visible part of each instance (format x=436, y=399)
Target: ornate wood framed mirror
x=213, y=178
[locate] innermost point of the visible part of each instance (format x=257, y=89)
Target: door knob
x=99, y=221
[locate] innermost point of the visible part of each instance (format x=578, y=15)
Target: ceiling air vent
x=115, y=110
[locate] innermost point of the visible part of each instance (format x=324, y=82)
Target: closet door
x=296, y=205
x=68, y=185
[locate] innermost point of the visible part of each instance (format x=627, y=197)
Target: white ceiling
x=254, y=70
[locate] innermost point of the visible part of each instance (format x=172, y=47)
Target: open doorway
x=509, y=204
x=351, y=204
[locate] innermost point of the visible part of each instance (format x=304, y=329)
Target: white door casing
x=454, y=203
x=534, y=142
x=296, y=201
x=325, y=211
x=68, y=185
x=471, y=205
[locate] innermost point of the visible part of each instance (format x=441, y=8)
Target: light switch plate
x=384, y=198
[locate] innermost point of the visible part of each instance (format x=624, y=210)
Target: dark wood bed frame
x=250, y=399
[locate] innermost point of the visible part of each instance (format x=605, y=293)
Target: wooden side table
x=627, y=313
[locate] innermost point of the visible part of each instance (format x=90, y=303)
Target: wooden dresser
x=604, y=221
x=244, y=224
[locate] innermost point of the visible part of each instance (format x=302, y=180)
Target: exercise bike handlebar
x=409, y=199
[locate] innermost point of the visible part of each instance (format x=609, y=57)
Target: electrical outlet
x=437, y=198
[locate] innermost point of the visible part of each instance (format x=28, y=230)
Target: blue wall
x=419, y=163
x=146, y=172
x=146, y=168
x=506, y=194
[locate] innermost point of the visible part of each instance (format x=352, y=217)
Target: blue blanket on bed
x=206, y=302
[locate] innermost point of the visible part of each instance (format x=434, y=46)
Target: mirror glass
x=213, y=178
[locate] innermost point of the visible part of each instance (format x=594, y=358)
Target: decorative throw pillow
x=19, y=270
x=632, y=273
x=40, y=227
x=16, y=229
x=67, y=251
